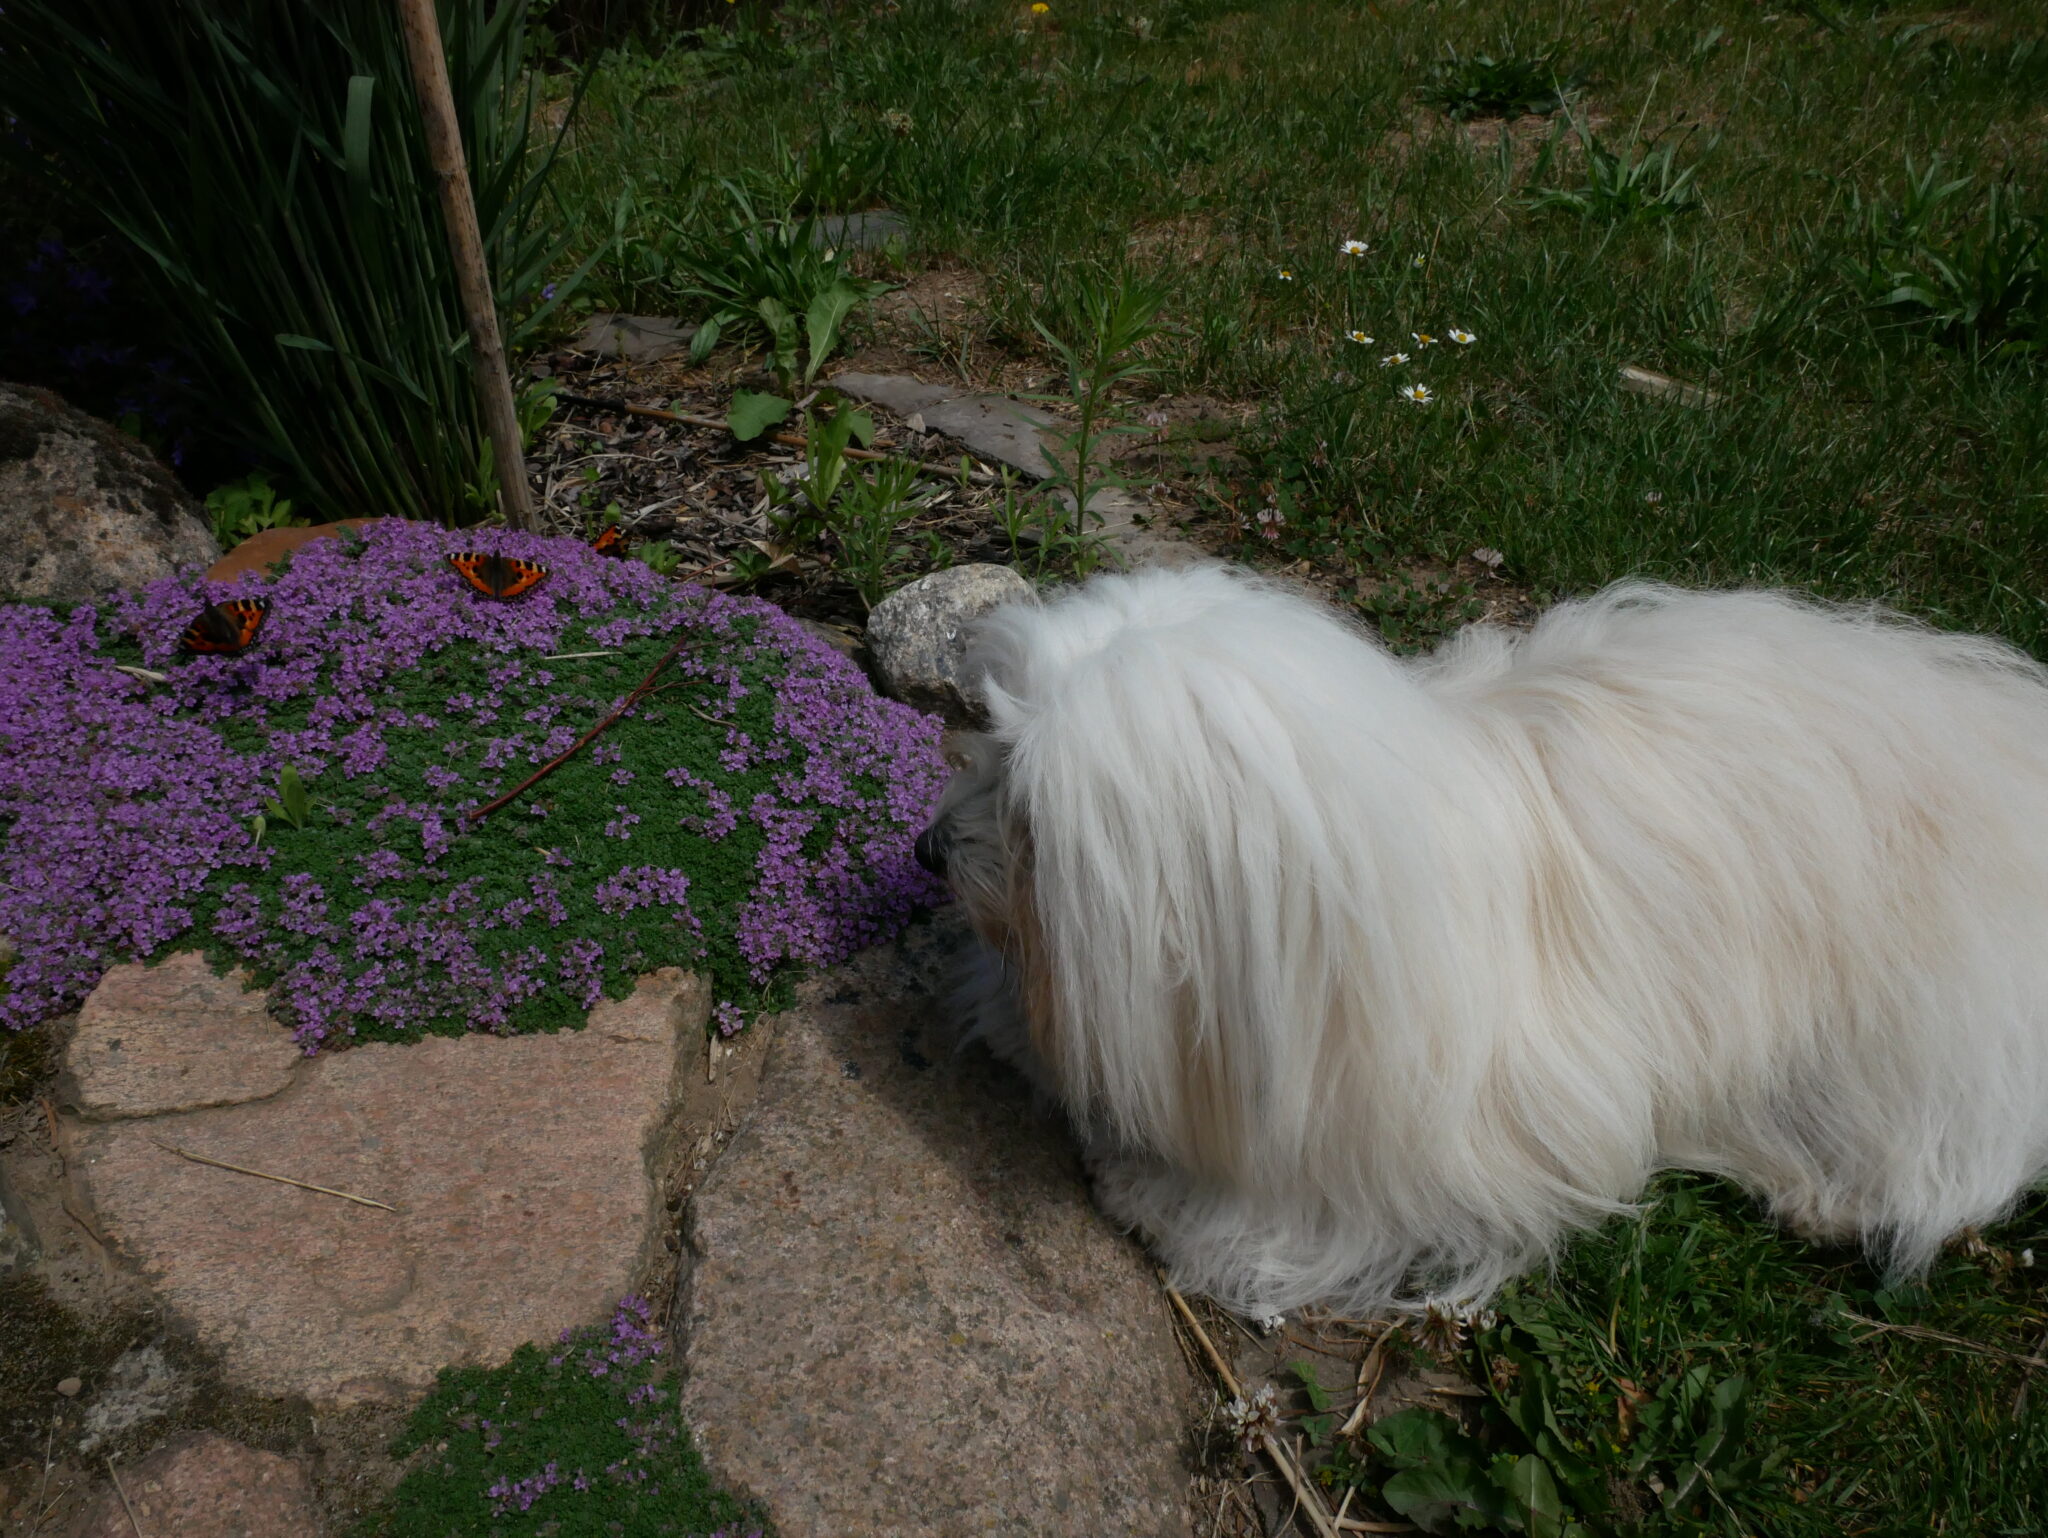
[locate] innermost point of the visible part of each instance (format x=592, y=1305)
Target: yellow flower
x=1421, y=394
x=1039, y=7
x=1286, y=275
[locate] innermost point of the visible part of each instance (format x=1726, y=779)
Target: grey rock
x=140, y=1387
x=635, y=338
x=18, y=1248
x=900, y=1313
x=918, y=636
x=992, y=426
x=84, y=508
x=868, y=231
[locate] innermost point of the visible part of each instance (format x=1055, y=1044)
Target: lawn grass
x=1856, y=452
x=1858, y=448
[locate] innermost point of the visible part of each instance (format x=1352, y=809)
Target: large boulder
x=901, y=1313
x=84, y=507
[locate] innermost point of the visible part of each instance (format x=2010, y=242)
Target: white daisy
x=1421, y=394
x=1392, y=358
x=1423, y=339
x=1419, y=261
x=1286, y=275
x=1462, y=337
x=1354, y=248
x=1360, y=338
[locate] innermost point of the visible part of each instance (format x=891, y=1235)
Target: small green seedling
x=291, y=804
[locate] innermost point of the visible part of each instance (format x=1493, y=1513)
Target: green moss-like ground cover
x=580, y=1442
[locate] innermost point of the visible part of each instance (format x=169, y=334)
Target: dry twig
x=1960, y=1342
x=304, y=1185
x=787, y=440
x=116, y=1478
x=1306, y=1494
x=640, y=691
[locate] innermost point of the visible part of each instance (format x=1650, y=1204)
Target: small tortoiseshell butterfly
x=496, y=576
x=611, y=541
x=225, y=629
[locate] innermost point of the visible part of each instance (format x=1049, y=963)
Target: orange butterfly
x=225, y=629
x=610, y=541
x=496, y=576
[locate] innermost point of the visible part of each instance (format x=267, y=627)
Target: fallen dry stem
x=240, y=1169
x=1960, y=1342
x=787, y=440
x=1311, y=1499
x=640, y=691
x=116, y=1478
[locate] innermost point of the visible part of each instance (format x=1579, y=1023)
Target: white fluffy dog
x=1369, y=979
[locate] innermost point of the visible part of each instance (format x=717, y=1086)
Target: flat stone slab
x=996, y=427
x=868, y=230
x=262, y=551
x=992, y=426
x=635, y=338
x=173, y=1038
x=204, y=1486
x=528, y=1176
x=901, y=1313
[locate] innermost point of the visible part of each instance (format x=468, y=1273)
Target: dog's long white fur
x=1370, y=979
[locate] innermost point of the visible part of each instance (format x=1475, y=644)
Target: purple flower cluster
x=631, y=1339
x=126, y=805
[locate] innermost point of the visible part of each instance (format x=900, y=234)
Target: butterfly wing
x=611, y=541
x=225, y=629
x=496, y=576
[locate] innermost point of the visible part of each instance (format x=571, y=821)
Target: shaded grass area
x=1849, y=1405
x=1861, y=449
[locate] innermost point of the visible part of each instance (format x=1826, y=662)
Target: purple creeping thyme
x=126, y=806
x=510, y=1495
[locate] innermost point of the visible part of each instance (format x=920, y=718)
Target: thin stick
x=640, y=690
x=1354, y=1525
x=422, y=28
x=116, y=1478
x=142, y=673
x=787, y=440
x=1962, y=1343
x=239, y=1169
x=1311, y=1500
x=573, y=656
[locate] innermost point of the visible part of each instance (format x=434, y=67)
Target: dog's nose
x=930, y=851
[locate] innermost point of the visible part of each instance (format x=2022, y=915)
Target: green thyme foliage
x=564, y=818
x=487, y=1437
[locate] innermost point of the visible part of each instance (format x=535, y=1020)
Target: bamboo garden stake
x=465, y=245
